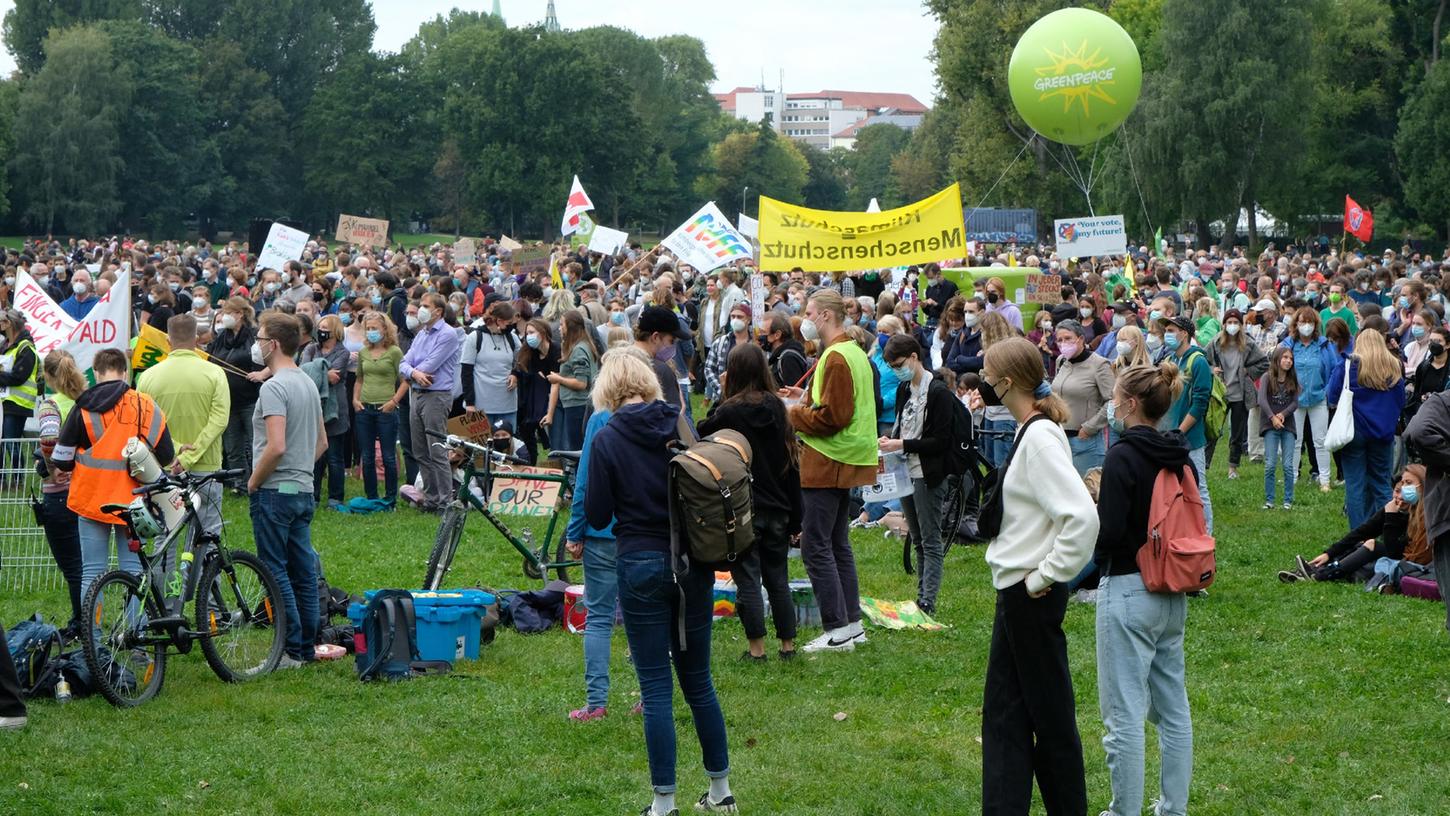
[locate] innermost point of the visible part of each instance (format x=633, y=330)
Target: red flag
x=1358, y=221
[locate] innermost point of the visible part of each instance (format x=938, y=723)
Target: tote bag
x=1341, y=429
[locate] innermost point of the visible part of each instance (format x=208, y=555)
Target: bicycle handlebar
x=186, y=480
x=455, y=441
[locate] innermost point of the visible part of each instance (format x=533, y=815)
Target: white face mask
x=229, y=321
x=737, y=325
x=1232, y=329
x=412, y=322
x=809, y=330
x=78, y=287
x=1086, y=311
x=1306, y=329
x=1119, y=321
x=257, y=353
x=1046, y=325
x=1154, y=342
x=969, y=319
x=425, y=315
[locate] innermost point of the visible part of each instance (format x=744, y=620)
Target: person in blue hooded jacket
x=1190, y=409
x=1314, y=361
x=667, y=619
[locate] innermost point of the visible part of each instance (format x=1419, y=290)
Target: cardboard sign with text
x=1044, y=290
x=465, y=252
x=354, y=229
x=471, y=425
x=521, y=496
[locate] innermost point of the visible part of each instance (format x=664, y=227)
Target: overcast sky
x=852, y=45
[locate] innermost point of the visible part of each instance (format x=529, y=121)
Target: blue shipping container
x=1002, y=226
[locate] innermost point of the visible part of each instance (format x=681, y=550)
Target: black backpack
x=33, y=644
x=963, y=454
x=390, y=635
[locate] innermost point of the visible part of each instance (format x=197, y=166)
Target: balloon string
x=1025, y=145
x=1122, y=129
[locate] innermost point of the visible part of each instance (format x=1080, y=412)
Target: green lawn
x=1307, y=700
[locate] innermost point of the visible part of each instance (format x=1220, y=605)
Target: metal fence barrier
x=25, y=561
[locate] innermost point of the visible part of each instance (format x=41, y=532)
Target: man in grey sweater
x=1429, y=433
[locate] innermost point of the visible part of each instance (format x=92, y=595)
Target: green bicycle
x=536, y=559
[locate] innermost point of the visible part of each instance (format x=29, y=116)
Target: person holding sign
x=837, y=422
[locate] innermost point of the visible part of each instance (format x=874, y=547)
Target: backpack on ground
x=33, y=644
x=1213, y=419
x=390, y=632
x=710, y=499
x=1179, y=553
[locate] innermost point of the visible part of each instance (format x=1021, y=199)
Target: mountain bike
x=134, y=618
x=536, y=560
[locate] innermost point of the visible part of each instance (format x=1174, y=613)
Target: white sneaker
x=834, y=640
x=858, y=632
x=289, y=662
x=9, y=723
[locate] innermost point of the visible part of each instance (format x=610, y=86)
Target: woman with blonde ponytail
x=1042, y=526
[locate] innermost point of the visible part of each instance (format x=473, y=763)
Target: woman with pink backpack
x=1140, y=632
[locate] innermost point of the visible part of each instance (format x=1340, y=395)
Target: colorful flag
x=1158, y=243
x=1358, y=221
x=576, y=206
x=555, y=279
x=707, y=240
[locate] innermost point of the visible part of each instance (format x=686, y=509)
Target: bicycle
x=536, y=561
x=133, y=618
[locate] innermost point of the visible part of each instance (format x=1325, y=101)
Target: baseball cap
x=1265, y=305
x=1178, y=322
x=659, y=319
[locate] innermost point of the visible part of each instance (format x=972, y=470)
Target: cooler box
x=449, y=622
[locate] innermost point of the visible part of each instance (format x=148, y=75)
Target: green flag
x=1158, y=243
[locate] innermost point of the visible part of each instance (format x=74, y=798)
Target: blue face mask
x=1417, y=331
x=377, y=300
x=1404, y=302
x=1115, y=423
x=532, y=340
x=902, y=372
x=881, y=338
x=1154, y=315
x=345, y=317
x=617, y=318
x=1170, y=341
x=1410, y=494
x=375, y=336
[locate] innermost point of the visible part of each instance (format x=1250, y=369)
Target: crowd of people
x=343, y=360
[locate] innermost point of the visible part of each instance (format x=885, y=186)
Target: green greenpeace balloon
x=1075, y=76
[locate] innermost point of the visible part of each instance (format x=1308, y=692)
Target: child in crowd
x=1278, y=399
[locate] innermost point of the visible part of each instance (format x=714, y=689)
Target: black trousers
x=766, y=562
x=1029, y=718
x=1238, y=435
x=12, y=702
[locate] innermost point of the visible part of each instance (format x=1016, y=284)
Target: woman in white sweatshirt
x=1048, y=528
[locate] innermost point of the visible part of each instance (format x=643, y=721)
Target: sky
x=849, y=45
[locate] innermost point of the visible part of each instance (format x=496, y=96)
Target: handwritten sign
x=283, y=244
x=48, y=325
x=471, y=425
x=1045, y=290
x=465, y=252
x=522, y=496
x=354, y=229
x=509, y=244
x=757, y=300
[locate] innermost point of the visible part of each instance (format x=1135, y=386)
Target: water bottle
x=62, y=691
x=178, y=580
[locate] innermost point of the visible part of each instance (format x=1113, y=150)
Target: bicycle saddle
x=569, y=456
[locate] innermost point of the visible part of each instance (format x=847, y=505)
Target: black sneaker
x=1289, y=576
x=1304, y=568
x=726, y=805
x=750, y=658
x=784, y=655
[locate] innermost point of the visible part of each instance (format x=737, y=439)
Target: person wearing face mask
x=1374, y=377
x=738, y=331
x=377, y=393
x=939, y=293
x=1085, y=382
x=1239, y=363
x=537, y=358
x=998, y=302
x=268, y=290
x=1314, y=361
x=964, y=355
x=660, y=337
x=83, y=297
x=328, y=348
x=1336, y=306
x=1122, y=314
x=948, y=328
x=1418, y=331
x=1433, y=372
x=1409, y=303
x=231, y=344
x=489, y=382
x=837, y=422
x=1392, y=531
x=923, y=432
x=1190, y=409
x=429, y=368
x=787, y=360
x=295, y=287
x=1140, y=661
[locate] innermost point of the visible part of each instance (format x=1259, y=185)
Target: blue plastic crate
x=449, y=622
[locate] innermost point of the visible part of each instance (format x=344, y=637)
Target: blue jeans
x=1140, y=678
x=567, y=432
x=1087, y=453
x=96, y=551
x=651, y=602
x=1367, y=477
x=1195, y=455
x=601, y=596
x=994, y=448
x=1280, y=448
x=282, y=527
x=374, y=428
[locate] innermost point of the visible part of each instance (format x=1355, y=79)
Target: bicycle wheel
x=127, y=663
x=561, y=553
x=240, y=617
x=445, y=545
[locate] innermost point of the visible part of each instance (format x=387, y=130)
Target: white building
x=817, y=118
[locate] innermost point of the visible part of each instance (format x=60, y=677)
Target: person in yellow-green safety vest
x=19, y=388
x=836, y=419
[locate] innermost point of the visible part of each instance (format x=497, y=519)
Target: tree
x=67, y=158
x=924, y=167
x=450, y=178
x=30, y=21
x=1422, y=147
x=870, y=166
x=825, y=177
x=248, y=127
x=760, y=160
x=9, y=101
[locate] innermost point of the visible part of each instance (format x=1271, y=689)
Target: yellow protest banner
x=824, y=241
x=151, y=346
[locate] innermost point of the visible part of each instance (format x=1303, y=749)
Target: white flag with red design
x=576, y=206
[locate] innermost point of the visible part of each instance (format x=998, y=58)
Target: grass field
x=1306, y=700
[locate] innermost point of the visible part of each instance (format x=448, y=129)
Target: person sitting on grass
x=1396, y=528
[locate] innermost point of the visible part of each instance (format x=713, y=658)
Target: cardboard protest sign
x=283, y=244
x=509, y=244
x=1044, y=290
x=707, y=240
x=465, y=252
x=931, y=229
x=354, y=229
x=1090, y=237
x=518, y=495
x=471, y=425
x=748, y=226
x=48, y=325
x=606, y=240
x=757, y=300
